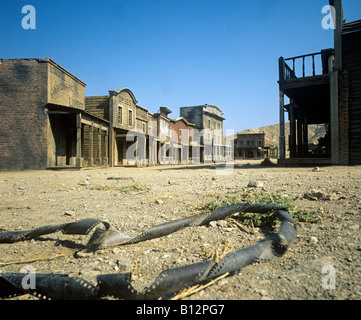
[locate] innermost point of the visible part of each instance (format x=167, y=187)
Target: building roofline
x=120, y=90
x=140, y=107
x=184, y=120
x=351, y=27
x=53, y=63
x=56, y=65
x=204, y=105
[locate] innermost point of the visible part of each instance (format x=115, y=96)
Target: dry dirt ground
x=324, y=261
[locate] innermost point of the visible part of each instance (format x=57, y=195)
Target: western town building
x=47, y=122
x=329, y=95
x=184, y=148
x=119, y=108
x=251, y=146
x=44, y=123
x=208, y=120
x=161, y=123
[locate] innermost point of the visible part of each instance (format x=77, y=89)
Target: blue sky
x=175, y=53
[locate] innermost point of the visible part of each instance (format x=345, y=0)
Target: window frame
x=120, y=115
x=130, y=118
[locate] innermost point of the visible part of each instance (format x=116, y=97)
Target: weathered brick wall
x=343, y=117
x=28, y=88
x=64, y=88
x=23, y=122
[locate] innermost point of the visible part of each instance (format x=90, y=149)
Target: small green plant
x=253, y=197
x=136, y=187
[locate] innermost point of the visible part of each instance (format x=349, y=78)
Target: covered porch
x=306, y=82
x=75, y=138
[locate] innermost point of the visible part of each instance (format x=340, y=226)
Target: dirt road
x=324, y=262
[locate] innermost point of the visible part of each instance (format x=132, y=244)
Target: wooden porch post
x=282, y=126
x=99, y=160
x=282, y=76
x=91, y=141
x=305, y=136
x=106, y=139
x=78, y=162
x=292, y=141
x=299, y=136
x=111, y=134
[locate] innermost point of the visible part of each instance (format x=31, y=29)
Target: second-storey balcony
x=305, y=80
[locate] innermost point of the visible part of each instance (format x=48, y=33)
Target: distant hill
x=314, y=132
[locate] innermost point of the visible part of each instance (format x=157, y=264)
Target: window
x=209, y=123
x=214, y=125
x=130, y=118
x=143, y=125
x=120, y=114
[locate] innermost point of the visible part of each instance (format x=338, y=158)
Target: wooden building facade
x=47, y=122
x=350, y=94
x=324, y=88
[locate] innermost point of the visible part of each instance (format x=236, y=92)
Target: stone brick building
x=43, y=119
x=208, y=120
x=251, y=146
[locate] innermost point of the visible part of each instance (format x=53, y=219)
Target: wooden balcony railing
x=287, y=73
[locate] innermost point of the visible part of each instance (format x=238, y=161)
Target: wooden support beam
x=299, y=137
x=292, y=139
x=305, y=136
x=99, y=147
x=281, y=68
x=78, y=160
x=303, y=66
x=94, y=124
x=282, y=126
x=106, y=145
x=338, y=34
x=91, y=145
x=313, y=66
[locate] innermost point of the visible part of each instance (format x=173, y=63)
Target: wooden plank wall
x=352, y=63
x=98, y=106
